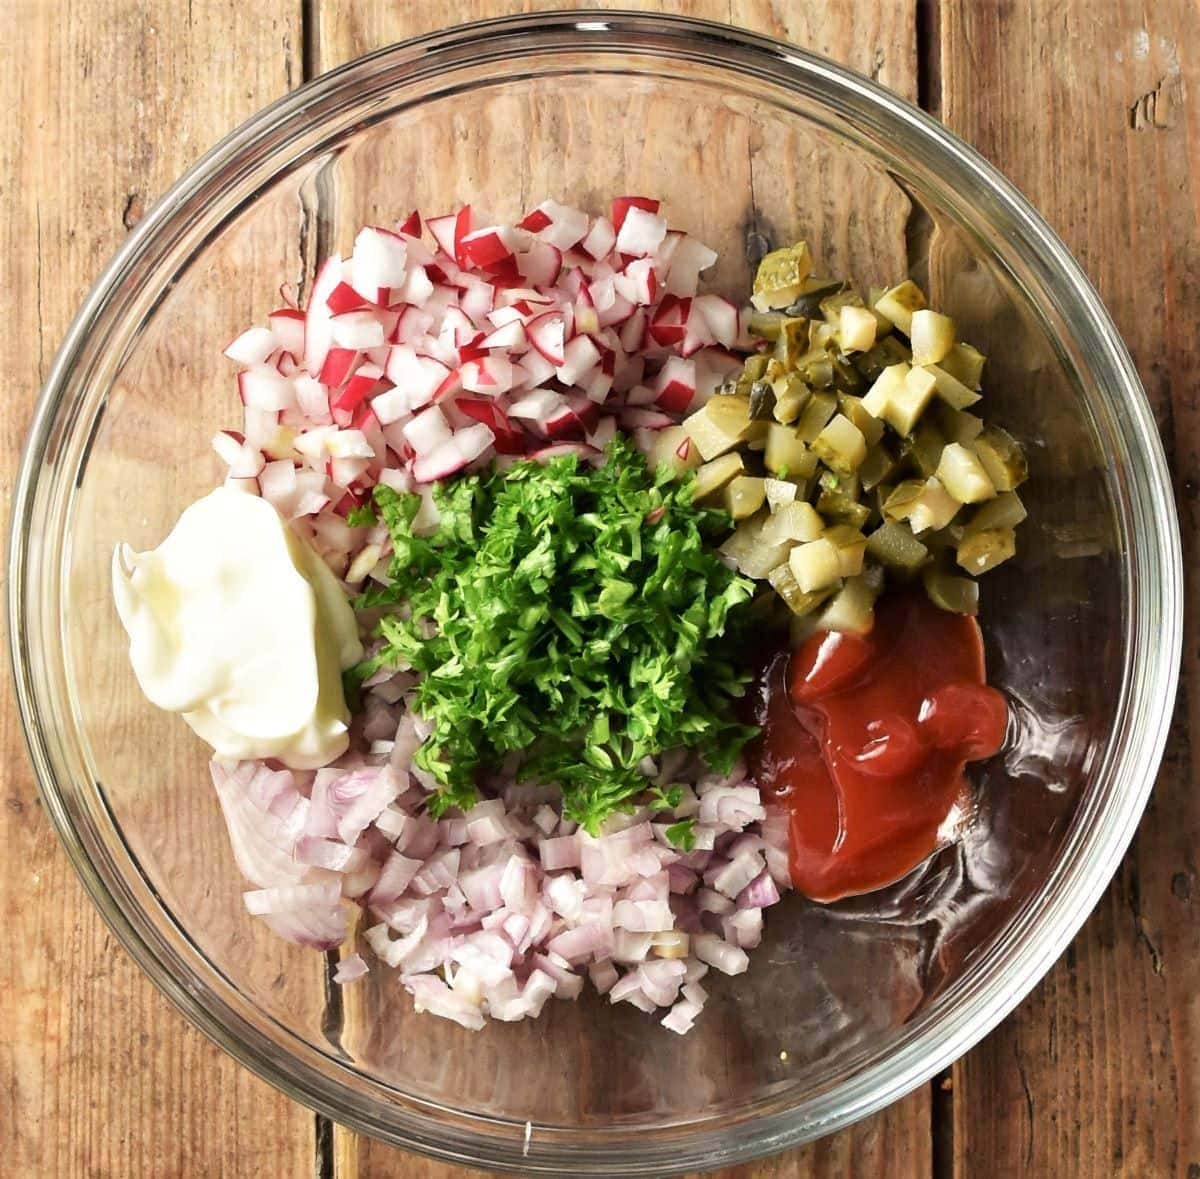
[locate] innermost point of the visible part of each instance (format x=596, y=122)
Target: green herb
x=664, y=800
x=683, y=834
x=362, y=516
x=549, y=617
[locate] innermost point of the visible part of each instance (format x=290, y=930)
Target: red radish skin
x=565, y=326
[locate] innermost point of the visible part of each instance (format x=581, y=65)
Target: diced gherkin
x=1002, y=458
x=781, y=277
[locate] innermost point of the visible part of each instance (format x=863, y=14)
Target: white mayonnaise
x=236, y=623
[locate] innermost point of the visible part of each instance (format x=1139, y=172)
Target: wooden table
x=1091, y=106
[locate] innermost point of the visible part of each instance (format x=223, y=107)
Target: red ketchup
x=865, y=738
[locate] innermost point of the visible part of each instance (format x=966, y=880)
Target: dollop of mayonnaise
x=237, y=624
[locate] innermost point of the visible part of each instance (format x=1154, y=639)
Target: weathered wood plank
x=879, y=39
x=1094, y=111
x=99, y=1076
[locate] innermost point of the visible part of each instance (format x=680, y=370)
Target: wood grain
x=1093, y=111
x=877, y=39
x=99, y=1075
x=1091, y=108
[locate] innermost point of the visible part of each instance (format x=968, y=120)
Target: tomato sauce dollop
x=864, y=740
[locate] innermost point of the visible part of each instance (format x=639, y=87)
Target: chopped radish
x=339, y=365
x=487, y=247
x=264, y=388
x=580, y=356
x=720, y=315
x=492, y=375
x=688, y=260
x=456, y=452
x=318, y=326
x=676, y=385
x=345, y=298
x=559, y=225
x=416, y=288
x=600, y=239
x=622, y=205
x=358, y=329
x=541, y=264
x=380, y=258
x=642, y=283
x=253, y=346
x=427, y=431
x=547, y=335
x=640, y=233
x=418, y=376
x=442, y=229
x=287, y=326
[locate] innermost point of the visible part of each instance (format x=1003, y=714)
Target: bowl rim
x=1153, y=630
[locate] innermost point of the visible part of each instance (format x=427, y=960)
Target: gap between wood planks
x=315, y=247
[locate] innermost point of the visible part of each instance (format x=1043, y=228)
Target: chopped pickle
x=889, y=382
x=964, y=364
x=800, y=603
x=846, y=399
x=813, y=418
x=794, y=523
x=957, y=425
x=851, y=548
x=755, y=367
x=765, y=324
x=893, y=545
x=792, y=341
x=843, y=508
x=950, y=389
x=1002, y=458
x=963, y=475
x=852, y=608
x=923, y=449
x=856, y=329
x=781, y=276
x=879, y=465
x=815, y=565
x=791, y=396
x=744, y=495
x=817, y=369
x=1005, y=511
x=985, y=550
x=747, y=548
x=958, y=595
x=787, y=454
x=868, y=424
x=931, y=335
x=808, y=303
x=898, y=304
x=719, y=425
x=762, y=401
x=831, y=305
x=934, y=508
x=673, y=447
x=779, y=492
x=846, y=378
x=899, y=505
x=714, y=475
x=887, y=351
x=908, y=403
x=847, y=485
x=841, y=445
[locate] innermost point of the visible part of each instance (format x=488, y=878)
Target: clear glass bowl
x=750, y=142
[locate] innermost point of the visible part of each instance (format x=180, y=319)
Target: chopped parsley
x=362, y=516
x=683, y=834
x=578, y=616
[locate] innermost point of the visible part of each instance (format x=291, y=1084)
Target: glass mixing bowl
x=751, y=143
